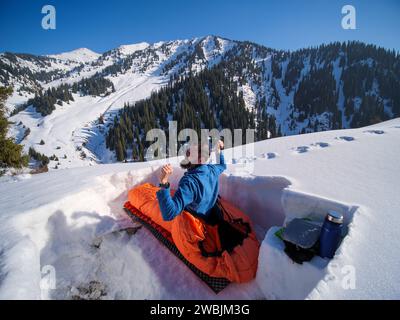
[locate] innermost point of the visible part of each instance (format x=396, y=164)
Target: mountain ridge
x=338, y=85
x=78, y=55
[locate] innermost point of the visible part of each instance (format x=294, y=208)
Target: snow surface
x=69, y=219
x=73, y=124
x=82, y=55
x=131, y=48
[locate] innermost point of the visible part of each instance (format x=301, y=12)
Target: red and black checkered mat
x=216, y=284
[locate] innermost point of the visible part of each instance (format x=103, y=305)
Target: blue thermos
x=331, y=234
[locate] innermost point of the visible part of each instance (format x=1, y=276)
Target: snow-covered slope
x=67, y=130
x=78, y=55
x=131, y=48
x=63, y=219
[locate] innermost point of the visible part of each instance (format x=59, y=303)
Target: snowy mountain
x=131, y=48
x=81, y=55
x=66, y=223
x=340, y=85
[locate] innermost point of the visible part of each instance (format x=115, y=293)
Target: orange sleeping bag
x=187, y=231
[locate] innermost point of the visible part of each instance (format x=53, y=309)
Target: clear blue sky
x=103, y=25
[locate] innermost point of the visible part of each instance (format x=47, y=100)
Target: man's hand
x=166, y=171
x=220, y=145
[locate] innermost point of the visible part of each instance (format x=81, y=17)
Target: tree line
x=209, y=100
x=45, y=102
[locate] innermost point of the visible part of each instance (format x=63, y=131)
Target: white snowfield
x=57, y=240
x=68, y=128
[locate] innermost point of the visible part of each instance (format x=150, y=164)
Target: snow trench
x=80, y=240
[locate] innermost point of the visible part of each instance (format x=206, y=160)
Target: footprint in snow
x=321, y=144
x=330, y=277
x=269, y=155
x=302, y=149
x=243, y=160
x=375, y=131
x=345, y=138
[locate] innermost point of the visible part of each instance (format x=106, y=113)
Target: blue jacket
x=197, y=191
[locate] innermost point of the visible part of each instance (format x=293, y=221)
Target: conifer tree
x=10, y=152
